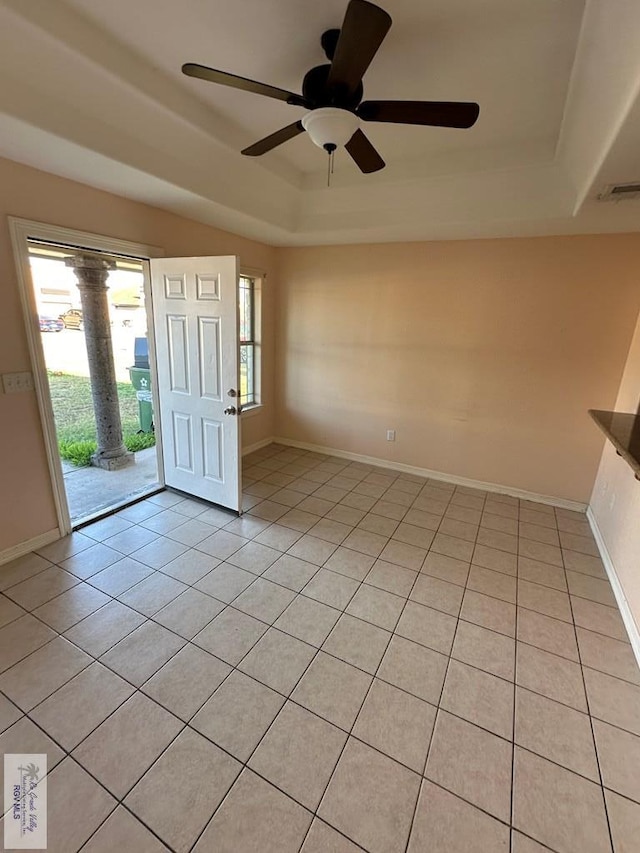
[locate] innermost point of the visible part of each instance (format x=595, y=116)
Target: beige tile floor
x=365, y=660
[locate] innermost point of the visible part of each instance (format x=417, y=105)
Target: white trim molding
x=562, y=503
x=623, y=605
x=81, y=239
x=258, y=445
x=23, y=548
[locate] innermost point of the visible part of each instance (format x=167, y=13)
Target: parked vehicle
x=72, y=319
x=50, y=324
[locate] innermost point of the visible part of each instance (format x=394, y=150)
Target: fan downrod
x=329, y=42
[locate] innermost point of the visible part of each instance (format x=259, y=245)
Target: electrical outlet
x=14, y=383
x=391, y=435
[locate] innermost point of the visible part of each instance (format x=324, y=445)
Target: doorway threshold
x=106, y=511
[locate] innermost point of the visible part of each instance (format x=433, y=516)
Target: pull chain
x=330, y=148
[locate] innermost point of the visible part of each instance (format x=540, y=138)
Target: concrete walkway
x=90, y=490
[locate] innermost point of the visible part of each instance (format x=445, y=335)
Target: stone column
x=92, y=272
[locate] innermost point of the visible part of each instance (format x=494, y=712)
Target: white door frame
x=22, y=230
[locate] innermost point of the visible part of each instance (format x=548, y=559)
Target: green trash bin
x=141, y=381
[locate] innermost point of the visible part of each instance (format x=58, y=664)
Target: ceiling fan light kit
x=330, y=127
x=333, y=93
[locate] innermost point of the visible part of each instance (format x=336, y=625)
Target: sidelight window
x=248, y=292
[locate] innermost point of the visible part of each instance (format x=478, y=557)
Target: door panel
x=195, y=307
x=210, y=379
x=178, y=354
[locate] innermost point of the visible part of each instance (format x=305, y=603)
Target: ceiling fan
x=333, y=93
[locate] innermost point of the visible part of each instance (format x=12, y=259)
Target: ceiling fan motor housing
x=316, y=91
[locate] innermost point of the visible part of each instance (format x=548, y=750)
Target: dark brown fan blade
x=274, y=139
x=363, y=31
x=433, y=113
x=365, y=155
x=191, y=69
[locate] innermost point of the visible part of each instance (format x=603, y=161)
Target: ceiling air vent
x=620, y=192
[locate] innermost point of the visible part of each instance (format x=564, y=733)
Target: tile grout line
x=591, y=726
x=287, y=698
x=435, y=719
x=515, y=693
x=355, y=719
x=353, y=724
x=245, y=764
x=185, y=725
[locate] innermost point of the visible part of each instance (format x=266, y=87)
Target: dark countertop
x=623, y=431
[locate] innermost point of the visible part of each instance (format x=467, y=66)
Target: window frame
x=253, y=344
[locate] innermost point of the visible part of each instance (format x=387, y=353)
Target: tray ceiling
x=94, y=91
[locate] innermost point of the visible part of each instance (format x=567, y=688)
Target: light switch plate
x=14, y=383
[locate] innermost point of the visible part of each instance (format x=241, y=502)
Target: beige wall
x=483, y=355
x=615, y=502
x=26, y=504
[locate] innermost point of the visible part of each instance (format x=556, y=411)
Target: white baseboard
x=625, y=611
x=437, y=475
x=258, y=445
x=30, y=545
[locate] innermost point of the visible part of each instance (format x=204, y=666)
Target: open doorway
x=76, y=387
x=196, y=296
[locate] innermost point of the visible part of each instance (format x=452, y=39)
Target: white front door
x=195, y=311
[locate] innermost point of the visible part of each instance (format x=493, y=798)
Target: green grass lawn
x=75, y=421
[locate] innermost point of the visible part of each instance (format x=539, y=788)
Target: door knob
x=231, y=410
x=232, y=392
